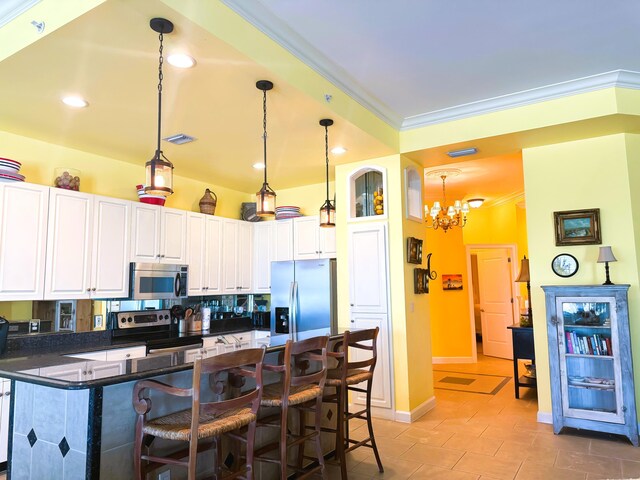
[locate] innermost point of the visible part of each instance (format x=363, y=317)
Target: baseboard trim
x=545, y=417
x=376, y=412
x=416, y=413
x=439, y=360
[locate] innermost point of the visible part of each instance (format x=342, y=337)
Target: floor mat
x=469, y=382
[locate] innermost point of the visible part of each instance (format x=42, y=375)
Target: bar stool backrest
x=356, y=341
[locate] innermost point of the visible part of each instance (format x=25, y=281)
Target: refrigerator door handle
x=291, y=312
x=294, y=321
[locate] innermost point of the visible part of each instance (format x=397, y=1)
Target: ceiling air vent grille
x=179, y=139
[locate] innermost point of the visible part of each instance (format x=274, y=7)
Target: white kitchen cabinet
x=158, y=234
x=310, y=241
x=114, y=354
x=381, y=385
x=204, y=252
x=236, y=256
x=87, y=246
x=5, y=404
x=283, y=240
x=263, y=254
x=96, y=370
x=73, y=372
x=367, y=268
x=23, y=239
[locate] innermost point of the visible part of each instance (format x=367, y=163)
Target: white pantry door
x=496, y=308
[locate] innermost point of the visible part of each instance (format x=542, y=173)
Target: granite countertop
x=25, y=366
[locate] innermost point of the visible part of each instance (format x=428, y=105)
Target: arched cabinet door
x=367, y=188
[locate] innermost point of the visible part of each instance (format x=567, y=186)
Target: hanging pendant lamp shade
x=328, y=209
x=159, y=170
x=266, y=197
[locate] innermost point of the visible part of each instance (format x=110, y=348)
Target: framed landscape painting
x=452, y=281
x=578, y=227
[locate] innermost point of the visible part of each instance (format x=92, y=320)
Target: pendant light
x=328, y=209
x=266, y=197
x=159, y=170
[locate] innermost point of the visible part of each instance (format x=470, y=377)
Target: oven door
x=157, y=282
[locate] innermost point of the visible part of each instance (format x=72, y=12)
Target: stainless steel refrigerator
x=303, y=295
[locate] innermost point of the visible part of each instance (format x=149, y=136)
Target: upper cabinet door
x=245, y=257
x=213, y=255
x=230, y=283
x=327, y=242
x=111, y=242
x=263, y=253
x=145, y=233
x=196, y=253
x=305, y=238
x=173, y=239
x=283, y=240
x=23, y=236
x=367, y=268
x=68, y=245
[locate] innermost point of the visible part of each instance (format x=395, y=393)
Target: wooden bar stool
x=205, y=420
x=352, y=370
x=300, y=390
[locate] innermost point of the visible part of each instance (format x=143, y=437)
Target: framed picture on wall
x=578, y=227
x=414, y=250
x=451, y=281
x=418, y=281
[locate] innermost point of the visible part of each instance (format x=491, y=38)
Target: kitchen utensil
x=188, y=312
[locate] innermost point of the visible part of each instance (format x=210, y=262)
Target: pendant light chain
x=160, y=78
x=264, y=131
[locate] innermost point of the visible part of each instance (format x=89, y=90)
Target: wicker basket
x=208, y=202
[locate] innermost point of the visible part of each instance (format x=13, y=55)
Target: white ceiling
x=411, y=58
x=408, y=61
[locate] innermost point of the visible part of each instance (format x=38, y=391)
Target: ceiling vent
x=179, y=139
x=463, y=152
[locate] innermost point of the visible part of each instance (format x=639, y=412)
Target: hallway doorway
x=492, y=297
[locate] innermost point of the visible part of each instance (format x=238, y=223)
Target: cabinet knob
x=7, y=394
x=89, y=289
x=351, y=304
x=158, y=256
x=554, y=320
x=127, y=355
x=90, y=372
x=353, y=321
x=84, y=372
x=161, y=256
x=93, y=289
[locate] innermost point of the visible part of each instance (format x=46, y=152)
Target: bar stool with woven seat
x=205, y=420
x=300, y=390
x=345, y=378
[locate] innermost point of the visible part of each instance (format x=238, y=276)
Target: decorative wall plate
x=564, y=265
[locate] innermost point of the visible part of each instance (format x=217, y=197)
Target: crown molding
x=10, y=9
x=278, y=31
x=616, y=78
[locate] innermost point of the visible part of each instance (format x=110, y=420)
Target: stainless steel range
x=156, y=328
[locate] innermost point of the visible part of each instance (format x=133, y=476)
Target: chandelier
x=446, y=216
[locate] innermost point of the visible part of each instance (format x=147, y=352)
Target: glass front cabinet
x=590, y=363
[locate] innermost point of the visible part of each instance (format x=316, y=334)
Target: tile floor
x=472, y=436
x=488, y=437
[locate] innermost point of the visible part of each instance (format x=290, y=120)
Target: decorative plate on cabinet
x=564, y=265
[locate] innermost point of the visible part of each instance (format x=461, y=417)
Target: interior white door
x=496, y=296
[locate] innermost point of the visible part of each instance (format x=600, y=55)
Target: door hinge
x=509, y=259
x=512, y=300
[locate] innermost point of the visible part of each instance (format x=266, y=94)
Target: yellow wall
x=309, y=198
x=450, y=310
x=600, y=173
x=108, y=176
x=16, y=310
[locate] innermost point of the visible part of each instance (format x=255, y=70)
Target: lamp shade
x=159, y=176
x=606, y=255
x=524, y=276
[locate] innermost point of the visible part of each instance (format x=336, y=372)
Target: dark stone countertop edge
x=18, y=364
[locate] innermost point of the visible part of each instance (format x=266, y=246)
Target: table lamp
x=524, y=276
x=606, y=256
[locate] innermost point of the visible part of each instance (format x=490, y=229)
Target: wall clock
x=564, y=265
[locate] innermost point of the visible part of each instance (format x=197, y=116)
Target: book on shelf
x=582, y=344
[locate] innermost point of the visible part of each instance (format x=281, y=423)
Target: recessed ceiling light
x=258, y=166
x=181, y=60
x=338, y=150
x=75, y=101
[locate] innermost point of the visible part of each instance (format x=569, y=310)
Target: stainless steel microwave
x=157, y=281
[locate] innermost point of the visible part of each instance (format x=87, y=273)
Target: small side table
x=522, y=349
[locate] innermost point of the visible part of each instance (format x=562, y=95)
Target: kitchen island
x=64, y=429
